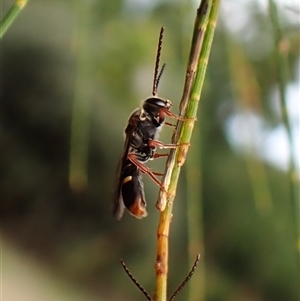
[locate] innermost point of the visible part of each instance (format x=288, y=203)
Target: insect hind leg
x=159, y=144
x=145, y=169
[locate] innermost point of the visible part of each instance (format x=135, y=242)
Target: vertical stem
x=11, y=16
x=188, y=108
x=247, y=92
x=282, y=49
x=195, y=225
x=81, y=106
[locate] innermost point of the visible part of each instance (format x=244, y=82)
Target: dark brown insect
x=140, y=146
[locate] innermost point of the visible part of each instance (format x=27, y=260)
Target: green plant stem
x=201, y=44
x=78, y=178
x=11, y=15
x=246, y=90
x=195, y=229
x=282, y=48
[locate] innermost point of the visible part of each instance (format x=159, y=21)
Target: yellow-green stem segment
x=201, y=44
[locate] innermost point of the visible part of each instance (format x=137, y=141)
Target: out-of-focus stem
x=82, y=98
x=11, y=16
x=282, y=48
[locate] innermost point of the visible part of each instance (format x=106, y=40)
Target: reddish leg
x=170, y=124
x=159, y=144
x=172, y=115
x=157, y=173
x=145, y=169
x=160, y=155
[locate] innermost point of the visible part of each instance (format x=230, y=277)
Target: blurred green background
x=72, y=72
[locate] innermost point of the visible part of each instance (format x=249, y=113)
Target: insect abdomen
x=133, y=191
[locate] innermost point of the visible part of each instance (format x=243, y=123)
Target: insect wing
x=118, y=208
x=118, y=199
x=130, y=191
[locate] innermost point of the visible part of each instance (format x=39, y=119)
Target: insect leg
x=159, y=144
x=145, y=169
x=155, y=156
x=170, y=124
x=157, y=173
x=175, y=116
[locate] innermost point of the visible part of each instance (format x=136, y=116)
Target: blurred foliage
x=102, y=54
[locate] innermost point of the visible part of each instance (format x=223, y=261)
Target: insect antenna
x=160, y=74
x=187, y=278
x=157, y=75
x=135, y=281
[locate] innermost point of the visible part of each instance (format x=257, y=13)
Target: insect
x=140, y=145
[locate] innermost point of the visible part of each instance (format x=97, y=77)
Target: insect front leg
x=175, y=116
